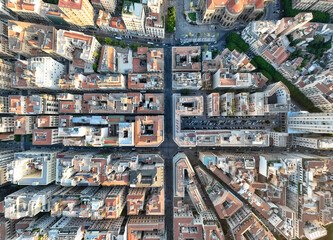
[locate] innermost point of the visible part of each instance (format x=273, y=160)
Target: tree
x=95, y=66
x=122, y=44
x=108, y=41
x=171, y=20
x=318, y=16
x=115, y=42
x=318, y=46
x=237, y=43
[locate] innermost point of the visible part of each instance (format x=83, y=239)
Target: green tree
x=108, y=41
x=123, y=44
x=95, y=66
x=171, y=20
x=115, y=42
x=236, y=42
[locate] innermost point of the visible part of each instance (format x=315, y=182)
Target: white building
x=47, y=72
x=33, y=167
x=134, y=18
x=311, y=122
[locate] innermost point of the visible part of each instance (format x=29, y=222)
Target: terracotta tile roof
x=76, y=4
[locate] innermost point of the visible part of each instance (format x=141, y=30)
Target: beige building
x=6, y=156
x=4, y=44
x=134, y=17
x=80, y=12
x=317, y=5
x=109, y=5
x=5, y=78
x=4, y=104
x=6, y=124
x=228, y=12
x=29, y=10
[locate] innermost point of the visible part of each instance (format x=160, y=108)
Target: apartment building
x=314, y=142
x=29, y=39
x=115, y=201
x=311, y=122
x=318, y=89
x=4, y=42
x=80, y=12
x=4, y=104
x=37, y=72
x=6, y=68
x=227, y=13
x=6, y=157
x=6, y=124
x=109, y=5
x=154, y=24
x=5, y=13
x=317, y=5
x=146, y=226
x=33, y=167
x=29, y=10
x=134, y=16
x=107, y=60
x=135, y=200
x=29, y=201
x=33, y=105
x=45, y=136
x=7, y=228
x=186, y=59
x=23, y=125
x=78, y=48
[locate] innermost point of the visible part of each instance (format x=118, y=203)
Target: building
x=30, y=11
x=317, y=87
x=155, y=202
x=45, y=137
x=7, y=228
x=213, y=104
x=135, y=200
x=23, y=125
x=186, y=80
x=149, y=131
x=4, y=42
x=29, y=39
x=146, y=227
x=5, y=13
x=37, y=72
x=227, y=13
x=311, y=122
x=6, y=157
x=92, y=82
x=314, y=142
x=145, y=81
x=108, y=60
x=316, y=5
x=115, y=201
x=6, y=124
x=78, y=48
x=33, y=167
x=154, y=24
x=194, y=106
x=80, y=12
x=47, y=121
x=33, y=105
x=5, y=70
x=29, y=201
x=134, y=16
x=4, y=104
x=186, y=59
x=109, y=5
